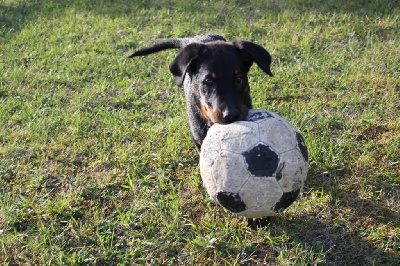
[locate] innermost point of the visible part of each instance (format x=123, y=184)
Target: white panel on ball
x=260, y=195
x=229, y=171
x=239, y=136
x=283, y=141
x=294, y=171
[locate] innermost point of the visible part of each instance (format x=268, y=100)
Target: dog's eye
x=209, y=82
x=239, y=80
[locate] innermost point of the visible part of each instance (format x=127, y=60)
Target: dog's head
x=218, y=74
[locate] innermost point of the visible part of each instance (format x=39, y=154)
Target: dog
x=213, y=73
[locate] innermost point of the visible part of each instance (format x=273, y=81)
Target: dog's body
x=213, y=73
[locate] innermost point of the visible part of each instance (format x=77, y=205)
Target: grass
x=96, y=164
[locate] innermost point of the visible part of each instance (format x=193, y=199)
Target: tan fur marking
x=216, y=115
x=212, y=116
x=204, y=111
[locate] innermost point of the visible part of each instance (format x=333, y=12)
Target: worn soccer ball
x=256, y=167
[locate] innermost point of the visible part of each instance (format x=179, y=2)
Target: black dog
x=213, y=73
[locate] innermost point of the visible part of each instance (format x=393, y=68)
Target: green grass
x=96, y=162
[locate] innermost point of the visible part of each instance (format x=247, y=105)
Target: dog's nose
x=230, y=115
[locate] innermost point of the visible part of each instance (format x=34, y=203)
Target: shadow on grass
x=349, y=230
x=15, y=16
x=342, y=244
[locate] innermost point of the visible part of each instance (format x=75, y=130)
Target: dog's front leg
x=198, y=125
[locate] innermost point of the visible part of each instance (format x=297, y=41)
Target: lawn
x=97, y=166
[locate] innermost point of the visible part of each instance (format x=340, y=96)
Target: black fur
x=213, y=73
x=177, y=43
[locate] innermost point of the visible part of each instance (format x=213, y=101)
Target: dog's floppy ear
x=184, y=61
x=256, y=53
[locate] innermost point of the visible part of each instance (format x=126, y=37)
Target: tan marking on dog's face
x=205, y=112
x=213, y=75
x=216, y=115
x=212, y=116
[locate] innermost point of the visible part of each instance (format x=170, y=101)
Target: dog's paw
x=258, y=223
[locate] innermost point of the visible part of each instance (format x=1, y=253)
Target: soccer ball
x=256, y=167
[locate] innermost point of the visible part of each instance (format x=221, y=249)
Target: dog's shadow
x=342, y=232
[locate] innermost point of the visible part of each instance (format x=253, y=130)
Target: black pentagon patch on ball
x=261, y=160
x=260, y=115
x=286, y=200
x=302, y=146
x=231, y=201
